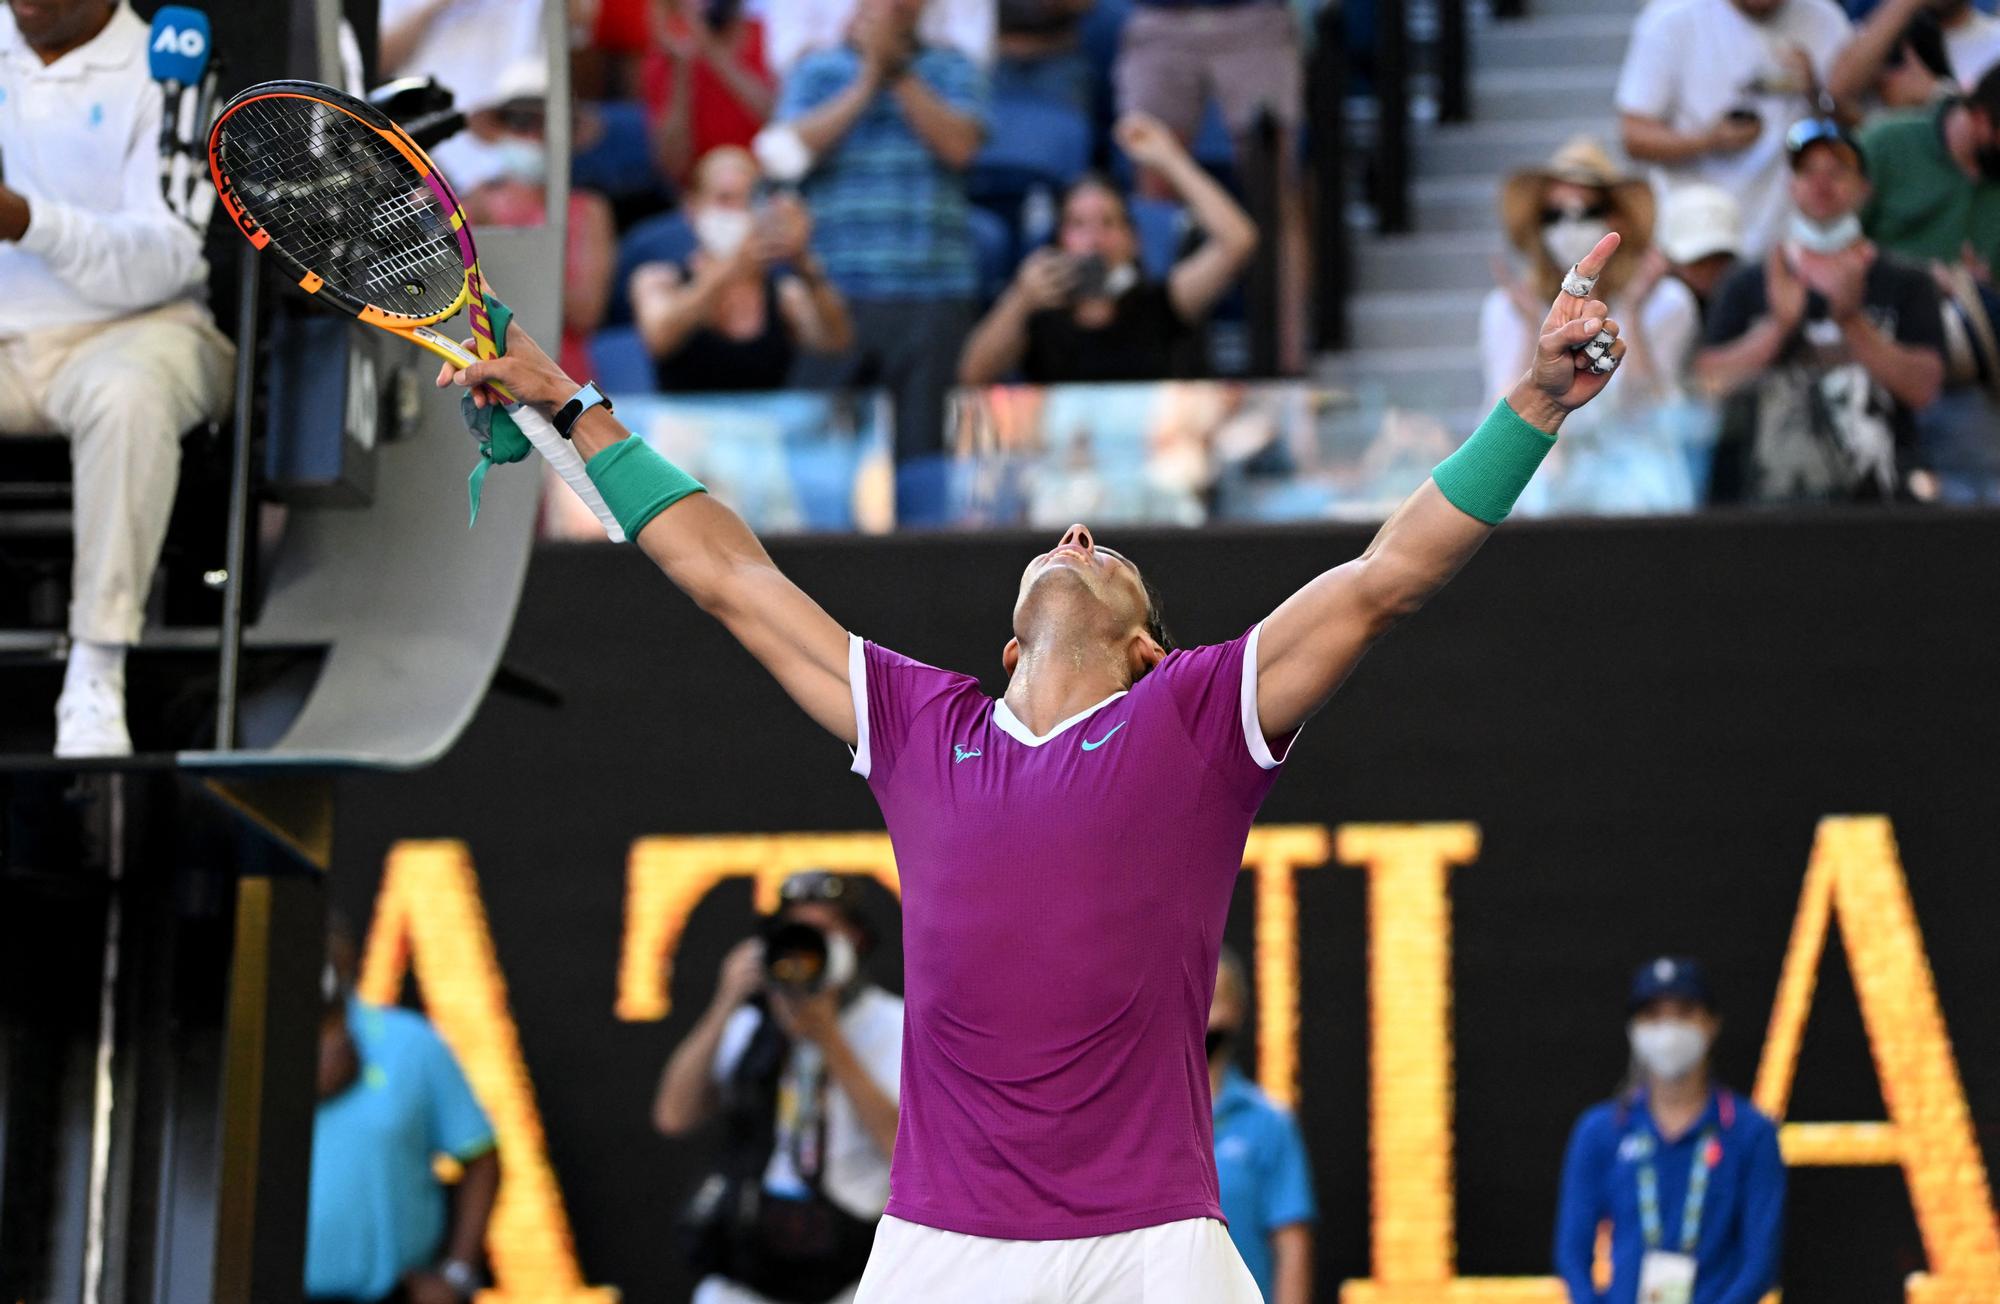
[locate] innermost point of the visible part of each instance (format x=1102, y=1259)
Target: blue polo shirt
x=376, y=1210
x=1743, y=1215
x=1260, y=1162
x=890, y=220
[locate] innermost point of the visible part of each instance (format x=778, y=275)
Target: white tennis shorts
x=1188, y=1262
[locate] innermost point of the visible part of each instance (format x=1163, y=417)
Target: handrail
x=1326, y=100
x=1392, y=125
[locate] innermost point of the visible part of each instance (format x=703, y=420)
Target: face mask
x=521, y=160
x=1669, y=1049
x=1568, y=239
x=1219, y=1040
x=722, y=231
x=1825, y=237
x=842, y=962
x=1120, y=279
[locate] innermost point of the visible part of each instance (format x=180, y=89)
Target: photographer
x=1084, y=311
x=800, y=1055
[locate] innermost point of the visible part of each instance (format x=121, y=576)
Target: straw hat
x=1581, y=162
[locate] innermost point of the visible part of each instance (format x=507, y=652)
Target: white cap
x=1697, y=220
x=526, y=78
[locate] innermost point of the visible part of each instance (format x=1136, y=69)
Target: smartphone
x=1091, y=274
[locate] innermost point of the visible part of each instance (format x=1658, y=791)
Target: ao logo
x=189, y=42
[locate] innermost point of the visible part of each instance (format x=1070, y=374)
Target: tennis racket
x=358, y=214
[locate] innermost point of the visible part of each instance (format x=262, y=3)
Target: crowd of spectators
x=833, y=193
x=1806, y=279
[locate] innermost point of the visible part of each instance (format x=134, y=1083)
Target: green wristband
x=638, y=484
x=1489, y=471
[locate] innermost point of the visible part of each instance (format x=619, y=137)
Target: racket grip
x=562, y=455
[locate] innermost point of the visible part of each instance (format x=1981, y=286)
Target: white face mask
x=1568, y=239
x=1825, y=238
x=722, y=231
x=841, y=962
x=1120, y=279
x=1669, y=1049
x=521, y=160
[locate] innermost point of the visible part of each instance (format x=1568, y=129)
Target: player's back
x=1064, y=897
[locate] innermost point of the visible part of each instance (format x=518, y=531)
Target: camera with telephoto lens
x=798, y=956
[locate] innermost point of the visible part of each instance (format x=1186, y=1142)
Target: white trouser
x=1187, y=1262
x=124, y=392
x=721, y=1290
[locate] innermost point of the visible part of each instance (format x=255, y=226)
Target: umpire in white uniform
x=105, y=334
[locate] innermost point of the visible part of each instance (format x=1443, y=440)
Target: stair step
x=1457, y=261
x=1420, y=319
x=1544, y=43
x=1430, y=380
x=1506, y=94
x=1466, y=204
x=1493, y=149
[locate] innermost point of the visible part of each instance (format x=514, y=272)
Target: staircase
x=1414, y=311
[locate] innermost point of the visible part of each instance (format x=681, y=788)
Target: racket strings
x=342, y=201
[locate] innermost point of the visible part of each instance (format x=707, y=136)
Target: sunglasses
x=1599, y=209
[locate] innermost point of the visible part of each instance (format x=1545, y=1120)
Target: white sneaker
x=90, y=721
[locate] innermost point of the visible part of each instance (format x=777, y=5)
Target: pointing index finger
x=1592, y=264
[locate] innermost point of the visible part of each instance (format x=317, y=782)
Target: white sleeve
x=877, y=1037
x=1646, y=82
x=1835, y=33
x=139, y=256
x=857, y=688
x=736, y=1035
x=1246, y=707
x=1672, y=320
x=1503, y=345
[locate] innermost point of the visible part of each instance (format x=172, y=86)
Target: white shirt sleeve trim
x=1253, y=732
x=857, y=687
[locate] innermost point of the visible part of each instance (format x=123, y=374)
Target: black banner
x=1646, y=721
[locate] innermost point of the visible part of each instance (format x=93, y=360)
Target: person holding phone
x=1084, y=309
x=1709, y=86
x=750, y=298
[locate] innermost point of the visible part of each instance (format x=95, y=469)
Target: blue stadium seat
x=664, y=239
x=619, y=359
x=1159, y=224
x=995, y=242
x=619, y=162
x=1030, y=143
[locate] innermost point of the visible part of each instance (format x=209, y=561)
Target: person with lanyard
x=1687, y=1173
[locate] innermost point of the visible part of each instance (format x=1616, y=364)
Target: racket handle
x=562, y=455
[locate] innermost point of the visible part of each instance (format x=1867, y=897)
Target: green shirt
x=1923, y=206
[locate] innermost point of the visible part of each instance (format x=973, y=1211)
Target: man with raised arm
x=1060, y=937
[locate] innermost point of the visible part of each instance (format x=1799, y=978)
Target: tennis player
x=1068, y=851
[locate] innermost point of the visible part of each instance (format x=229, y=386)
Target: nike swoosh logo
x=1090, y=746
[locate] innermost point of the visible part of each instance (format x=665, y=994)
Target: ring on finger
x=1575, y=283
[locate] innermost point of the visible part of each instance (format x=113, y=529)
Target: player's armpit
x=712, y=556
x=1316, y=637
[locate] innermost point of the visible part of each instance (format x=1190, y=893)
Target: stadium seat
x=620, y=360
x=1160, y=224
x=1032, y=144
x=994, y=241
x=664, y=239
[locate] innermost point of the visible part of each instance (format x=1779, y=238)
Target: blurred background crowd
x=984, y=221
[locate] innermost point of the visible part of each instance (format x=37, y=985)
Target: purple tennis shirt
x=1063, y=903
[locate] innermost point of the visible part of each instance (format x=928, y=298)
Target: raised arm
x=1205, y=275
x=703, y=546
x=1310, y=644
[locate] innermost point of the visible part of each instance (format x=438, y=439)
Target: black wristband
x=570, y=413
